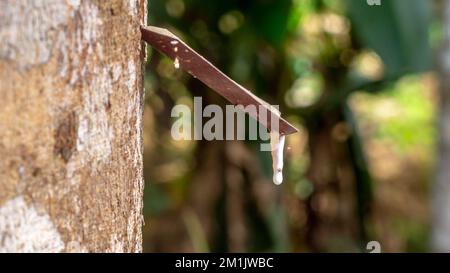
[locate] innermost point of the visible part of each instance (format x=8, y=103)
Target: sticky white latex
x=277, y=145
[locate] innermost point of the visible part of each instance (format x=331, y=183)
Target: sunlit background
x=358, y=81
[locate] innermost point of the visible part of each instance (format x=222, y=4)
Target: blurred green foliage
x=405, y=113
x=397, y=31
x=308, y=56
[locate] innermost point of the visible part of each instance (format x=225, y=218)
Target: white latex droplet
x=277, y=145
x=176, y=63
x=278, y=178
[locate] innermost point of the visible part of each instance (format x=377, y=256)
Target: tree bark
x=71, y=105
x=440, y=238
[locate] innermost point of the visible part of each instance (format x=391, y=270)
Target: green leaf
x=270, y=19
x=397, y=31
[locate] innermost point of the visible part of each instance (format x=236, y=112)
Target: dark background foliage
x=359, y=82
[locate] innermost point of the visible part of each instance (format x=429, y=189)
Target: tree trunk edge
x=440, y=198
x=71, y=136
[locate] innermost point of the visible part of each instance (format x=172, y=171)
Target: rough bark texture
x=70, y=125
x=441, y=192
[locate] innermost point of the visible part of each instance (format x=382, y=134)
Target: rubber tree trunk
x=441, y=191
x=71, y=125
